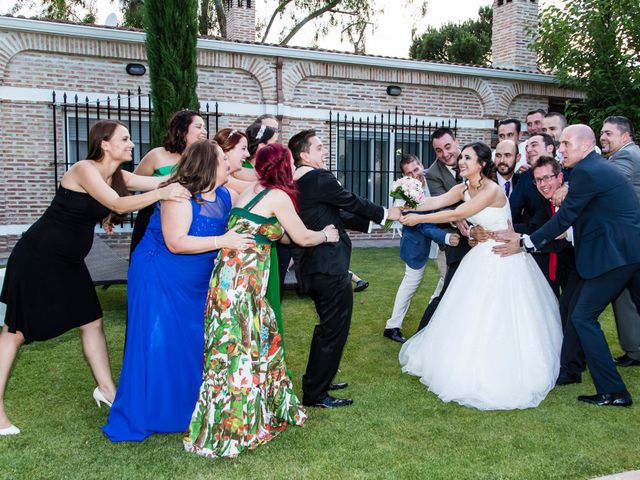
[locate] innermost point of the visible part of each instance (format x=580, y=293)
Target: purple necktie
x=507, y=187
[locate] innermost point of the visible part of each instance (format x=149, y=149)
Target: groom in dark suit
x=605, y=214
x=325, y=271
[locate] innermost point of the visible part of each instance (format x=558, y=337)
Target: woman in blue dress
x=168, y=284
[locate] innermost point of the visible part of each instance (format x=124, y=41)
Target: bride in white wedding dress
x=494, y=341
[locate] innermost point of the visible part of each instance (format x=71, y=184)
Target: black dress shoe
x=361, y=285
x=626, y=361
x=338, y=386
x=330, y=402
x=618, y=399
x=568, y=378
x=394, y=334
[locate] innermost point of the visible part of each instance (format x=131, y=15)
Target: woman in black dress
x=47, y=286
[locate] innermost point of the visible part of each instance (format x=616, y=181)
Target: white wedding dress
x=494, y=341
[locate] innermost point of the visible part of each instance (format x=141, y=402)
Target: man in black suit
x=528, y=203
x=526, y=199
x=442, y=177
x=605, y=214
x=506, y=158
x=325, y=271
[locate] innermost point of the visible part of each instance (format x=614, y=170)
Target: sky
x=392, y=32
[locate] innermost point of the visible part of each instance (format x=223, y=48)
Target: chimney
x=241, y=20
x=514, y=28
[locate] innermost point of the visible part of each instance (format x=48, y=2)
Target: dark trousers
x=333, y=298
x=284, y=257
x=431, y=308
x=591, y=298
x=572, y=359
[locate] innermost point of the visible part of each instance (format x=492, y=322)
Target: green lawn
x=395, y=429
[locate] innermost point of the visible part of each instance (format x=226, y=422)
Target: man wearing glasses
x=561, y=266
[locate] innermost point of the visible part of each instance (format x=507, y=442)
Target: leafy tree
x=352, y=17
x=132, y=13
x=466, y=42
x=72, y=10
x=594, y=46
x=172, y=33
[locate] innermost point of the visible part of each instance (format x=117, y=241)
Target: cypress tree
x=172, y=32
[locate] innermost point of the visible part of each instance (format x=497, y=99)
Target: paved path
x=634, y=475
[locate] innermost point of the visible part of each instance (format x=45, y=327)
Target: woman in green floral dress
x=246, y=397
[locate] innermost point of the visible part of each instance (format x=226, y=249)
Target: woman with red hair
x=246, y=397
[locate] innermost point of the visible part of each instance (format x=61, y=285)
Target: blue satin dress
x=162, y=366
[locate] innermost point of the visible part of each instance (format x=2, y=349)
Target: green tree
x=594, y=46
x=351, y=17
x=72, y=10
x=132, y=13
x=466, y=42
x=172, y=33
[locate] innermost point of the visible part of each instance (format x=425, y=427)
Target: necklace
x=476, y=188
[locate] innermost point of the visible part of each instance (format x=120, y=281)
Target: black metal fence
x=367, y=151
x=364, y=152
x=78, y=116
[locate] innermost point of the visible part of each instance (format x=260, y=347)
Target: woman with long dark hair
x=494, y=341
x=234, y=144
x=258, y=135
x=168, y=283
x=47, y=287
x=185, y=128
x=246, y=396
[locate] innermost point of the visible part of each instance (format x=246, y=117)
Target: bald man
x=506, y=158
x=605, y=214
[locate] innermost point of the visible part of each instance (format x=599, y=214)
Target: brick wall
x=241, y=20
x=72, y=73
x=523, y=104
x=26, y=162
x=420, y=100
x=510, y=36
x=228, y=84
x=48, y=62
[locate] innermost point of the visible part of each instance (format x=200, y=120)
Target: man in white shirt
x=534, y=121
x=416, y=261
x=553, y=124
x=511, y=129
x=616, y=138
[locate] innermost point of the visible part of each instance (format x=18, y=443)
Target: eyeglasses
x=545, y=179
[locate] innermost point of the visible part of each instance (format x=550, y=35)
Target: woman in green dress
x=258, y=135
x=234, y=145
x=185, y=127
x=247, y=397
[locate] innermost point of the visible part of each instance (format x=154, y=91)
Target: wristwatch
x=524, y=246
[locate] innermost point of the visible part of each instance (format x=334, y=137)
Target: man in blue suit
x=415, y=245
x=605, y=214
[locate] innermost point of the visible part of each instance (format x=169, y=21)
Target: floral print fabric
x=246, y=397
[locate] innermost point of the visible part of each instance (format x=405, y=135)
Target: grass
x=395, y=429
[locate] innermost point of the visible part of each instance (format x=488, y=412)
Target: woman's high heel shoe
x=10, y=430
x=99, y=397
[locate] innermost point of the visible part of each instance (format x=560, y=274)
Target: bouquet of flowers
x=409, y=190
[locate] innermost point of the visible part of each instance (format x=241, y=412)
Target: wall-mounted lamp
x=394, y=90
x=136, y=69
